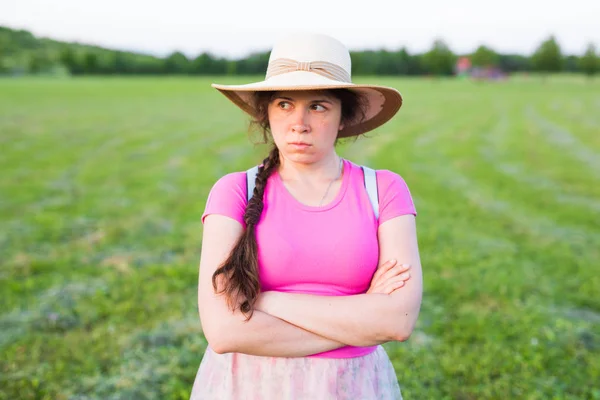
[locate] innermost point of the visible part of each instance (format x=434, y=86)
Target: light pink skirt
x=234, y=376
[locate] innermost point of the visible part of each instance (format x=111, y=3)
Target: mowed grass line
x=107, y=178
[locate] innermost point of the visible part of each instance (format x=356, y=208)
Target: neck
x=325, y=169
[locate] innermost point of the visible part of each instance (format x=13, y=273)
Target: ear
x=341, y=127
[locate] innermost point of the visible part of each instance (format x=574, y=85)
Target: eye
x=284, y=105
x=318, y=107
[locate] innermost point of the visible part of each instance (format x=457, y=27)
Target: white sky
x=235, y=28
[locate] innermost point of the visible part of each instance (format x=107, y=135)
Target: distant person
x=301, y=285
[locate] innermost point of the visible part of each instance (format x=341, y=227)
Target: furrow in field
x=580, y=112
x=416, y=137
x=550, y=188
x=483, y=198
x=53, y=310
x=148, y=361
x=579, y=116
x=364, y=148
x=562, y=138
x=490, y=151
x=442, y=168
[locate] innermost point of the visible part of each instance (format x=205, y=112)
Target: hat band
x=329, y=70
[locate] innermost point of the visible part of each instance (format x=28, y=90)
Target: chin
x=303, y=158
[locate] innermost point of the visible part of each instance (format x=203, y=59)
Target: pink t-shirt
x=330, y=250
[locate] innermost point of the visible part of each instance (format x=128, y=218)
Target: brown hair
x=241, y=284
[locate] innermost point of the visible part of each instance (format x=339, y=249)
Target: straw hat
x=317, y=62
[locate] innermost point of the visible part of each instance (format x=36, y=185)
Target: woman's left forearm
x=359, y=320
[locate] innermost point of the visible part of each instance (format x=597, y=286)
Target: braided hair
x=241, y=267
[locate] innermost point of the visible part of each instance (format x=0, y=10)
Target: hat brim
x=382, y=102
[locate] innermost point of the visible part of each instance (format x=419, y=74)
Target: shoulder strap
x=371, y=186
x=251, y=181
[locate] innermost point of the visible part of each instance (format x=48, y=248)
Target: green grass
x=104, y=181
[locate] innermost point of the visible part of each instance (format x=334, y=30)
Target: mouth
x=301, y=144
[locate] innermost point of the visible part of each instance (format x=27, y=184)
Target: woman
x=300, y=285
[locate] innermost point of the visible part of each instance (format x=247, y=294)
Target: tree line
x=23, y=53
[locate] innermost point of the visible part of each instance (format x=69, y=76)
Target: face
x=305, y=124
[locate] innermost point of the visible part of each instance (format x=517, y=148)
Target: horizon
x=194, y=29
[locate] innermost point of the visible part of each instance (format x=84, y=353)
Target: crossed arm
x=295, y=325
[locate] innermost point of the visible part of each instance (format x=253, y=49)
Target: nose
x=300, y=121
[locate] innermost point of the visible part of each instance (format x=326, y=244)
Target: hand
x=389, y=277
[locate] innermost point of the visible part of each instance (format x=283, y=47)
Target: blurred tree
x=17, y=40
x=91, y=64
x=360, y=63
x=202, y=65
x=40, y=62
x=514, y=63
x=417, y=65
x=571, y=64
x=121, y=62
x=384, y=62
x=71, y=61
x=206, y=64
x=177, y=63
x=407, y=64
x=6, y=47
x=372, y=62
x=590, y=62
x=254, y=64
x=231, y=68
x=107, y=63
x=547, y=57
x=401, y=64
x=391, y=63
x=4, y=65
x=440, y=59
x=484, y=57
x=149, y=65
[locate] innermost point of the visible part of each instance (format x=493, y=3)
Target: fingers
x=395, y=283
x=391, y=284
x=394, y=271
x=389, y=277
x=383, y=269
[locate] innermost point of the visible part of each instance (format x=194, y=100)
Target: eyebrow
x=321, y=100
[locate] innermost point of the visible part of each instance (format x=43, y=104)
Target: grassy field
x=104, y=181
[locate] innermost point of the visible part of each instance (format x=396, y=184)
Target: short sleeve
x=228, y=197
x=394, y=196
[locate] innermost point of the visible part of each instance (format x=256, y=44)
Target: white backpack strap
x=371, y=186
x=251, y=181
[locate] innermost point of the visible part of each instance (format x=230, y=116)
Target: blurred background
x=111, y=138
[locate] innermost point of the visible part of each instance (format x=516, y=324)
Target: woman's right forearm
x=265, y=335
